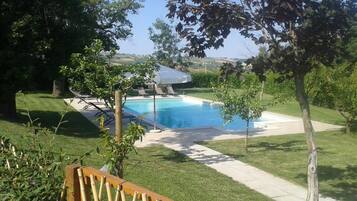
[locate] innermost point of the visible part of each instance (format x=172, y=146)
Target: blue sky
x=235, y=46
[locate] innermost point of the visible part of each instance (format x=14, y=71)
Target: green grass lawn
x=162, y=170
x=286, y=157
x=290, y=108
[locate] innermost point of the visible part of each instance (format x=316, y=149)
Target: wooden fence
x=86, y=183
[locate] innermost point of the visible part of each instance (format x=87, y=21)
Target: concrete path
x=254, y=178
x=184, y=140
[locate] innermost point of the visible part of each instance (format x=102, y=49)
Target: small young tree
x=91, y=73
x=344, y=92
x=116, y=152
x=244, y=103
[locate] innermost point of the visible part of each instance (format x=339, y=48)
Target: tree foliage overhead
x=39, y=36
x=294, y=31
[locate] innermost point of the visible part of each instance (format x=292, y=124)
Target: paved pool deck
x=184, y=141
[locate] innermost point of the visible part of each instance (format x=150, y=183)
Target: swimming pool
x=184, y=113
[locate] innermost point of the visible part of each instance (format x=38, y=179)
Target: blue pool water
x=182, y=113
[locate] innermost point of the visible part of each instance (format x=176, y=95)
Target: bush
x=274, y=86
x=210, y=79
x=35, y=174
x=204, y=80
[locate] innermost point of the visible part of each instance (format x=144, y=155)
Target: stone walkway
x=184, y=140
x=256, y=179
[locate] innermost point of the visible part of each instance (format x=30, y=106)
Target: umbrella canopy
x=165, y=75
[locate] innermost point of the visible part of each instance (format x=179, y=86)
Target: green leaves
x=91, y=72
x=344, y=86
x=243, y=102
x=115, y=153
x=28, y=175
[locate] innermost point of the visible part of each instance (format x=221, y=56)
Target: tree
x=39, y=36
x=298, y=35
x=89, y=72
x=336, y=87
x=166, y=42
x=243, y=102
x=105, y=20
x=344, y=93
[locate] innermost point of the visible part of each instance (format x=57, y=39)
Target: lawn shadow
x=174, y=156
x=292, y=145
x=76, y=125
x=289, y=146
x=48, y=94
x=342, y=180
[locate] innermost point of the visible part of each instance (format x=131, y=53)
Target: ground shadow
x=291, y=146
x=48, y=94
x=342, y=180
x=76, y=125
x=174, y=156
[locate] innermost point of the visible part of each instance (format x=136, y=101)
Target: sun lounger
x=106, y=113
x=81, y=97
x=142, y=92
x=170, y=90
x=84, y=98
x=158, y=90
x=78, y=95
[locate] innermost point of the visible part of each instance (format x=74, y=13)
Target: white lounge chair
x=142, y=91
x=170, y=90
x=158, y=90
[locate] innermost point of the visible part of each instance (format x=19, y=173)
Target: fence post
x=72, y=183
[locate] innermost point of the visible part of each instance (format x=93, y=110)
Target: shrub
x=204, y=80
x=210, y=79
x=35, y=174
x=274, y=85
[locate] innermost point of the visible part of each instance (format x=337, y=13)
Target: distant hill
x=197, y=64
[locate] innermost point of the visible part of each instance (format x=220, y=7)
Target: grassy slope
x=285, y=156
x=157, y=168
x=290, y=108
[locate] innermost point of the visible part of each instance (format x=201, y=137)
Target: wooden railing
x=86, y=183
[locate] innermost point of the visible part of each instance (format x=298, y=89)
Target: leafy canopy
x=296, y=33
x=39, y=36
x=90, y=72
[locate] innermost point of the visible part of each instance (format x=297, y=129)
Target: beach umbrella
x=165, y=75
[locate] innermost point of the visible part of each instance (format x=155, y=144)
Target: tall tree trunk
x=348, y=120
x=58, y=87
x=262, y=91
x=348, y=126
x=312, y=178
x=7, y=104
x=246, y=136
